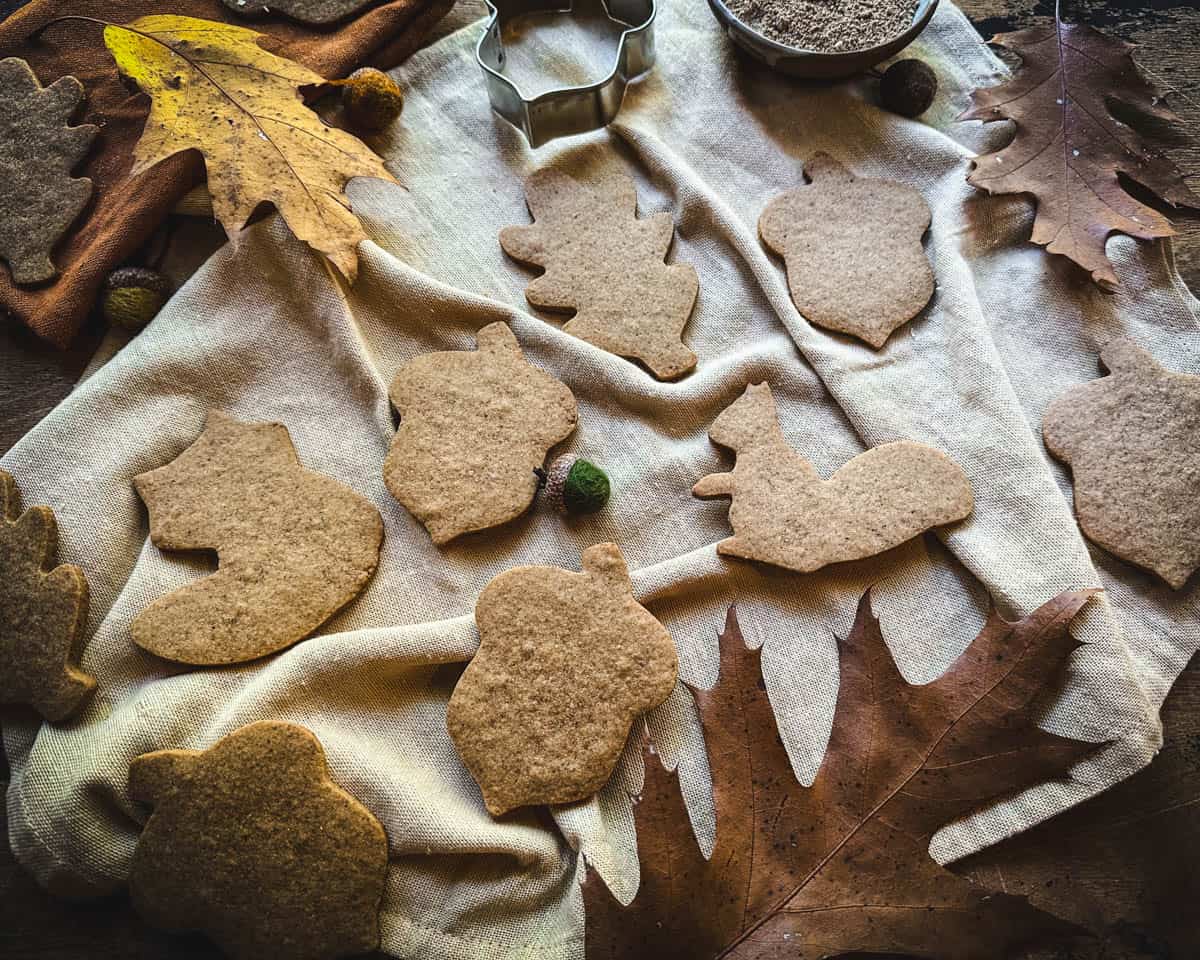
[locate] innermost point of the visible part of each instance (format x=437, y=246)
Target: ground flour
x=827, y=26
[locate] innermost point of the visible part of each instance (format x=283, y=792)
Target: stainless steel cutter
x=565, y=111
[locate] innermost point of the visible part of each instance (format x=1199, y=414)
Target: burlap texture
x=123, y=212
x=266, y=332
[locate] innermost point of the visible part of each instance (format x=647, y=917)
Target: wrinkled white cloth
x=266, y=332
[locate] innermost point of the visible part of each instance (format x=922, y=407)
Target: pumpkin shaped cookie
x=252, y=844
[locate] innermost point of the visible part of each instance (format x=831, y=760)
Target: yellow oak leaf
x=214, y=89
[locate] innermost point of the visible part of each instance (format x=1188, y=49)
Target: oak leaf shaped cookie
x=252, y=844
x=784, y=513
x=566, y=662
x=1131, y=441
x=852, y=249
x=39, y=198
x=473, y=427
x=42, y=612
x=606, y=266
x=294, y=545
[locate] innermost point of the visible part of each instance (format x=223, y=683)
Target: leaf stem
x=37, y=34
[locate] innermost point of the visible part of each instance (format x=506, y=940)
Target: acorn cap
x=138, y=277
x=132, y=296
x=371, y=99
x=576, y=486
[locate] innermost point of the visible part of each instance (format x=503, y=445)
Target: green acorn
x=371, y=99
x=133, y=296
x=575, y=485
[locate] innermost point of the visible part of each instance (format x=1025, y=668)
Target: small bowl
x=810, y=63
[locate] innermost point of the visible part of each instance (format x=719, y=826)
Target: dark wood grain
x=1124, y=861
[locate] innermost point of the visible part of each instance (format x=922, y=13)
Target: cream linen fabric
x=265, y=332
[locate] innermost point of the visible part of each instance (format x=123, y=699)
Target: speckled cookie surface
x=852, y=250
x=1132, y=440
x=566, y=662
x=251, y=843
x=473, y=427
x=784, y=513
x=294, y=546
x=606, y=265
x=39, y=199
x=43, y=610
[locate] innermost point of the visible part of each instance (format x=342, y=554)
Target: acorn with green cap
x=576, y=486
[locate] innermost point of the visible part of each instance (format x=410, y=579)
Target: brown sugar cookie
x=852, y=249
x=473, y=427
x=606, y=266
x=39, y=199
x=784, y=513
x=42, y=612
x=566, y=662
x=294, y=546
x=1132, y=440
x=252, y=844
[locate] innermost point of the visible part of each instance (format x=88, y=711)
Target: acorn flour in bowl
x=822, y=38
x=821, y=26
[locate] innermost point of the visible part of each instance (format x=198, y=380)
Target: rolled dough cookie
x=294, y=546
x=606, y=266
x=852, y=249
x=252, y=844
x=473, y=427
x=1132, y=440
x=42, y=612
x=784, y=513
x=566, y=662
x=39, y=199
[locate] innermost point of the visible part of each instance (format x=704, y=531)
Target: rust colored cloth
x=124, y=212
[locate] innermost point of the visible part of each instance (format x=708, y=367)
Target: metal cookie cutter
x=566, y=110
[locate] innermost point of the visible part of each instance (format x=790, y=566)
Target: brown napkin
x=124, y=212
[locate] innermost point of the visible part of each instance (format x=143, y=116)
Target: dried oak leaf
x=844, y=866
x=1070, y=149
x=214, y=89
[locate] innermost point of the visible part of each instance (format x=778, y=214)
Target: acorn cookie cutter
x=565, y=111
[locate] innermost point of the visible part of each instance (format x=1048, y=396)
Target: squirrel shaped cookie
x=1132, y=441
x=43, y=610
x=606, y=266
x=852, y=250
x=784, y=513
x=294, y=546
x=567, y=661
x=252, y=844
x=474, y=426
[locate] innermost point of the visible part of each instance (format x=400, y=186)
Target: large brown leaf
x=1069, y=148
x=843, y=866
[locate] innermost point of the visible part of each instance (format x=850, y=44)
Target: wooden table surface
x=1130, y=855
